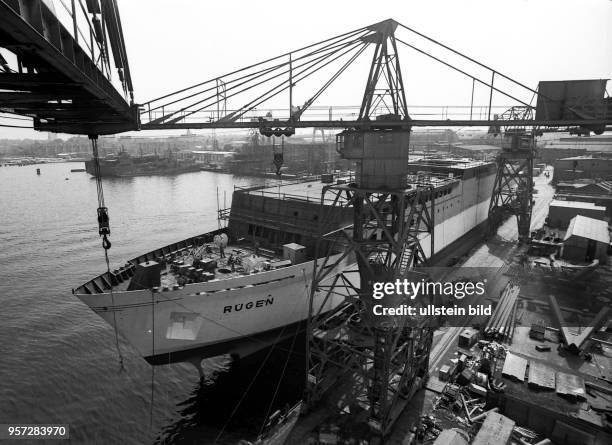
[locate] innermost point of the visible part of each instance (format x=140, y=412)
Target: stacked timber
x=501, y=324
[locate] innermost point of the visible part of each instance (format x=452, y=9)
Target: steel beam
x=79, y=126
x=57, y=68
x=87, y=74
x=36, y=82
x=376, y=124
x=26, y=97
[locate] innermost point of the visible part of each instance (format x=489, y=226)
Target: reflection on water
x=233, y=401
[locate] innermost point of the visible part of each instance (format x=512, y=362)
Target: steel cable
x=104, y=231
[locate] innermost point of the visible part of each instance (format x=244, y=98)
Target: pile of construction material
x=490, y=428
x=464, y=412
x=501, y=324
x=448, y=423
x=462, y=405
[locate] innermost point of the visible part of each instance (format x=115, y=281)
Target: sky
x=175, y=43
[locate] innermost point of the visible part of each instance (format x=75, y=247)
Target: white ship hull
x=212, y=318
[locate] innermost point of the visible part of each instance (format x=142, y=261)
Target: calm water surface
x=58, y=361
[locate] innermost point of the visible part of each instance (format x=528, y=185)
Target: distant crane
x=513, y=189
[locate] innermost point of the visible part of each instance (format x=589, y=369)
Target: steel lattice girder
x=386, y=358
x=513, y=188
x=63, y=86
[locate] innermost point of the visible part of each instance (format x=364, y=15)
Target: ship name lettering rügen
x=246, y=306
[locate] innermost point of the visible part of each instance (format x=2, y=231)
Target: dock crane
x=513, y=189
x=388, y=355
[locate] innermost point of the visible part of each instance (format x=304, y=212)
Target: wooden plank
x=496, y=430
x=450, y=437
x=514, y=367
x=570, y=385
x=541, y=376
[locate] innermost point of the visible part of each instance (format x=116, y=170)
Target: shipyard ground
x=500, y=256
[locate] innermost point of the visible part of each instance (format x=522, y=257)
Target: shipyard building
x=583, y=167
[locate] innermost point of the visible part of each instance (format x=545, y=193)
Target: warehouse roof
x=606, y=185
x=577, y=158
x=576, y=184
x=577, y=205
x=477, y=147
x=570, y=385
x=590, y=228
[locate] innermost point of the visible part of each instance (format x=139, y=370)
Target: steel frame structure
x=67, y=89
x=385, y=65
x=385, y=358
x=63, y=78
x=254, y=87
x=513, y=188
x=379, y=123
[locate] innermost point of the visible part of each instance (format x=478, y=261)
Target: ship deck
x=193, y=260
x=295, y=190
x=207, y=263
x=310, y=191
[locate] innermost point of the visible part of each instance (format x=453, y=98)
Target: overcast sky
x=173, y=44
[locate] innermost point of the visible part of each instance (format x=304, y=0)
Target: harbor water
x=59, y=360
